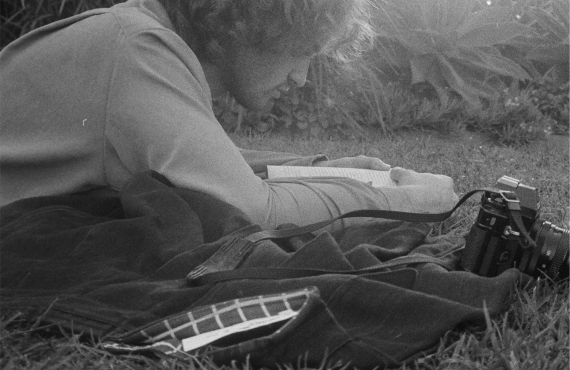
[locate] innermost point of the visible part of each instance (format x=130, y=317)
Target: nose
x=299, y=74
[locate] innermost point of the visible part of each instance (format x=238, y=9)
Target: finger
x=370, y=163
x=399, y=174
x=378, y=165
x=341, y=162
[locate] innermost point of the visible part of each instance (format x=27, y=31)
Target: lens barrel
x=550, y=256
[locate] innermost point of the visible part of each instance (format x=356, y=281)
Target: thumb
x=397, y=174
x=377, y=164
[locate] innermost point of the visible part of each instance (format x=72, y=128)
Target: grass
x=531, y=334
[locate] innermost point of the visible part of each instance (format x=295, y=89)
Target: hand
x=361, y=161
x=427, y=192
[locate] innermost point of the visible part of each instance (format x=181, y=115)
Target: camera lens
x=550, y=256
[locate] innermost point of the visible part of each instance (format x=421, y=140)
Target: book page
x=375, y=178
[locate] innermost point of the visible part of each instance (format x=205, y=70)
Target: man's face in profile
x=255, y=79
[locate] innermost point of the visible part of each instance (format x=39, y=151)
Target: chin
x=257, y=104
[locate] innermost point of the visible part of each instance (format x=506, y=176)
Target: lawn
x=532, y=333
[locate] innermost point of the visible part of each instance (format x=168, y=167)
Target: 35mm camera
x=509, y=233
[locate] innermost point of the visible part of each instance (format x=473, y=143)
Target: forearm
x=309, y=200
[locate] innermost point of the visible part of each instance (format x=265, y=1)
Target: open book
x=375, y=178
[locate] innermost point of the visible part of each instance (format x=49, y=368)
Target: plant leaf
x=527, y=43
x=488, y=15
x=459, y=80
x=555, y=54
x=493, y=33
x=427, y=69
x=417, y=43
x=456, y=13
x=549, y=23
x=494, y=63
x=562, y=9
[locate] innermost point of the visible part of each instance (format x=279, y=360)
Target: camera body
x=495, y=243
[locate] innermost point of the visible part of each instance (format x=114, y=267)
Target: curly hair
x=339, y=28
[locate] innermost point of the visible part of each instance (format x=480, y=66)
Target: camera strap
x=222, y=265
x=369, y=213
x=277, y=273
x=515, y=218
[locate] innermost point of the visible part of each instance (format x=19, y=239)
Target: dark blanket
x=113, y=264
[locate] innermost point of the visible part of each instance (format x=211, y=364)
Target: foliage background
x=446, y=65
x=497, y=66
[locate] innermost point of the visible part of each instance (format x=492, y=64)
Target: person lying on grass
x=91, y=100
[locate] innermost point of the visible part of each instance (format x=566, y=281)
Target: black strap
x=294, y=273
x=213, y=271
x=515, y=218
x=370, y=213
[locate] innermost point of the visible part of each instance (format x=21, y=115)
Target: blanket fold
x=115, y=266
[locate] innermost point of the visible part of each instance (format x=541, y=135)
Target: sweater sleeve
x=159, y=117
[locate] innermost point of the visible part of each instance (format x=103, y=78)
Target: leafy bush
x=437, y=50
x=552, y=101
x=547, y=48
x=512, y=120
x=450, y=44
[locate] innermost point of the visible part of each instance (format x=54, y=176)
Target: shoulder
x=149, y=42
x=136, y=16
x=146, y=25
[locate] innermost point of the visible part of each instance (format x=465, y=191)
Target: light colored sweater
x=91, y=100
